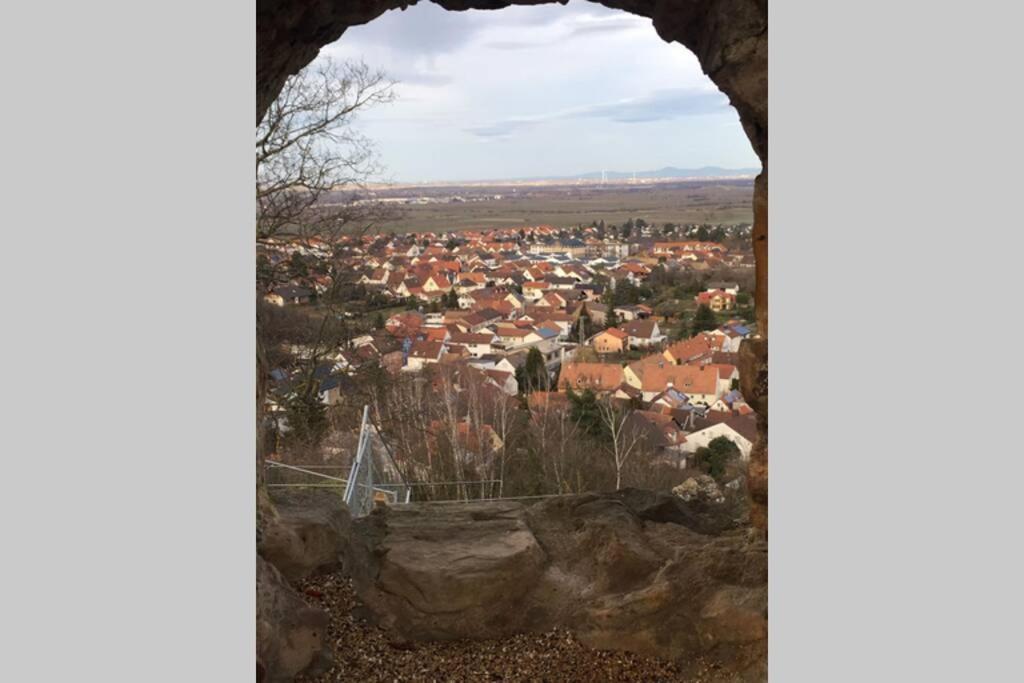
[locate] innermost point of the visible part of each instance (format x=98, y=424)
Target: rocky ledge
x=633, y=570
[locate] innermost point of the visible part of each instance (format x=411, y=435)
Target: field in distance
x=438, y=208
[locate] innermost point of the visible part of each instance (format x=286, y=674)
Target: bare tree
x=311, y=164
x=503, y=415
x=623, y=437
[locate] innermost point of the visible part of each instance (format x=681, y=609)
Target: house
x=436, y=283
x=288, y=294
x=560, y=283
x=662, y=434
x=378, y=276
x=478, y=344
x=544, y=401
x=732, y=334
x=703, y=437
x=643, y=334
x=731, y=403
x=700, y=383
x=437, y=334
x=552, y=300
x=612, y=340
x=590, y=292
x=669, y=400
x=532, y=291
x=504, y=380
x=558, y=321
x=492, y=362
x=599, y=377
x=728, y=377
x=729, y=287
x=633, y=312
x=405, y=324
x=596, y=311
x=331, y=388
x=478, y=320
x=693, y=350
x=511, y=337
x=717, y=300
x=422, y=353
x=627, y=393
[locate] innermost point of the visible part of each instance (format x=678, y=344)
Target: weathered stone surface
x=700, y=488
x=308, y=533
x=753, y=366
x=290, y=636
x=599, y=565
x=443, y=571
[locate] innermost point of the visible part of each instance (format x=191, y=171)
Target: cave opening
x=729, y=39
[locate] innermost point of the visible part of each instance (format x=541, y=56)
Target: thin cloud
x=423, y=78
x=659, y=105
x=605, y=25
x=516, y=44
x=583, y=24
x=670, y=103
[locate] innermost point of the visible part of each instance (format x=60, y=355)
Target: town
x=524, y=361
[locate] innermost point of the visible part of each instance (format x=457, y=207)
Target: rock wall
x=634, y=570
x=307, y=533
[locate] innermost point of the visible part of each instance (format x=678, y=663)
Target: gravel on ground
x=363, y=652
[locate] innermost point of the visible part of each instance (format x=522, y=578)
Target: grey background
x=127, y=510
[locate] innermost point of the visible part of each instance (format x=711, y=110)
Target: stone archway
x=729, y=38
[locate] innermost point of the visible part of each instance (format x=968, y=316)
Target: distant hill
x=667, y=173
x=673, y=172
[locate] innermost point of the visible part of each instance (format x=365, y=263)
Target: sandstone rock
x=309, y=533
x=441, y=571
x=602, y=566
x=702, y=487
x=290, y=636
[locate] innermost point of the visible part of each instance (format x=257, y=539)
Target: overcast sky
x=539, y=91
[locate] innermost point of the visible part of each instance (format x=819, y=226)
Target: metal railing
x=359, y=492
x=368, y=483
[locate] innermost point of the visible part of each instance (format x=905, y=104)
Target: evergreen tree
x=536, y=371
x=582, y=327
x=714, y=457
x=297, y=267
x=586, y=412
x=611, y=319
x=264, y=272
x=307, y=416
x=609, y=295
x=683, y=331
x=703, y=320
x=378, y=321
